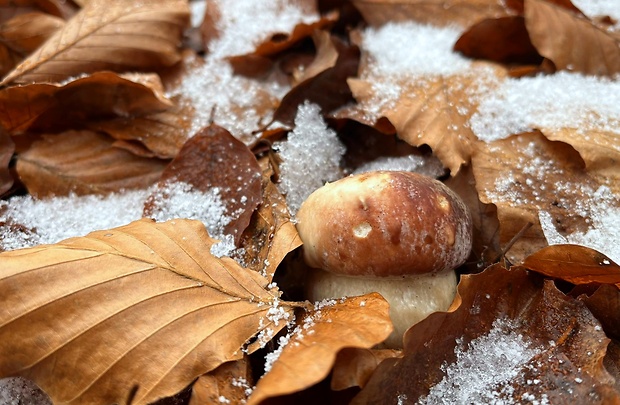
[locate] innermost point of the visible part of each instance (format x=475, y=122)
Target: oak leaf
x=112, y=35
x=142, y=308
x=571, y=41
x=435, y=12
x=44, y=107
x=511, y=338
x=83, y=162
x=312, y=346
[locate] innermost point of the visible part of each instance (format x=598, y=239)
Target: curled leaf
x=112, y=35
x=142, y=309
x=353, y=367
x=83, y=162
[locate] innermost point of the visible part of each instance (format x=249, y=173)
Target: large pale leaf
x=113, y=35
x=143, y=307
x=83, y=162
x=311, y=348
x=571, y=41
x=43, y=106
x=436, y=12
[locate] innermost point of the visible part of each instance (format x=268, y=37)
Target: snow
x=19, y=391
x=310, y=156
x=429, y=166
x=600, y=8
x=197, y=9
x=483, y=369
x=562, y=100
x=244, y=24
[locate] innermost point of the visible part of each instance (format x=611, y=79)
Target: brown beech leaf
x=326, y=57
x=312, y=347
x=142, y=307
x=528, y=178
x=83, y=162
x=26, y=32
x=511, y=339
x=353, y=367
x=571, y=41
x=271, y=235
x=328, y=88
x=435, y=12
x=115, y=35
x=575, y=264
x=231, y=381
x=7, y=147
x=503, y=40
x=213, y=158
x=163, y=133
x=45, y=107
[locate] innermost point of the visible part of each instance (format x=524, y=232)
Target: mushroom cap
x=385, y=224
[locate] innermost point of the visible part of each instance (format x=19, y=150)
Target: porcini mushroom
x=401, y=234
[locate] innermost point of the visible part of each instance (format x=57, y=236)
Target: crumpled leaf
x=503, y=40
x=434, y=12
x=142, y=305
x=328, y=88
x=575, y=264
x=115, y=35
x=325, y=58
x=271, y=235
x=353, y=367
x=213, y=158
x=7, y=147
x=510, y=339
x=26, y=32
x=570, y=41
x=83, y=162
x=527, y=176
x=313, y=345
x=232, y=381
x=50, y=107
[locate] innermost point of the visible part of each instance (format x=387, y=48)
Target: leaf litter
x=562, y=178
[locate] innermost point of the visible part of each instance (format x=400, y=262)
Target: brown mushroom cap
x=385, y=224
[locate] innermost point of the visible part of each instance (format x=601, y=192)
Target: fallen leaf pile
x=153, y=155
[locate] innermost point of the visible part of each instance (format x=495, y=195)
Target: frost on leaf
x=511, y=340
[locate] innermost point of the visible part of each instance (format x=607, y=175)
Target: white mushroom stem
x=411, y=298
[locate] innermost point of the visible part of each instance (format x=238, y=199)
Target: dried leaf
x=508, y=331
x=144, y=305
x=231, y=381
x=570, y=41
x=26, y=32
x=83, y=162
x=503, y=40
x=527, y=176
x=353, y=367
x=312, y=347
x=112, y=35
x=575, y=264
x=434, y=12
x=214, y=158
x=7, y=147
x=328, y=89
x=271, y=235
x=326, y=57
x=50, y=107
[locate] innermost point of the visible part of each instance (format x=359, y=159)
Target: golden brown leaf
x=142, y=305
x=435, y=12
x=112, y=35
x=527, y=176
x=510, y=339
x=7, y=147
x=83, y=162
x=26, y=32
x=353, y=367
x=231, y=381
x=325, y=58
x=575, y=264
x=312, y=347
x=45, y=107
x=570, y=41
x=213, y=158
x=271, y=235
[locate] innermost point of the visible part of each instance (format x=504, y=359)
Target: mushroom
x=401, y=234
